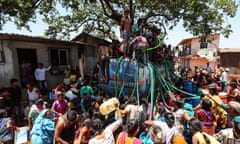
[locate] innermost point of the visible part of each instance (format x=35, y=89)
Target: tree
x=101, y=17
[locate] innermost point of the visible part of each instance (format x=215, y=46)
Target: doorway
x=27, y=60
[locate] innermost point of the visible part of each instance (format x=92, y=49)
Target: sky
x=174, y=36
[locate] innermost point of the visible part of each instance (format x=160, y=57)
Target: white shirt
x=132, y=111
x=228, y=134
x=108, y=137
x=224, y=76
x=179, y=116
x=32, y=95
x=40, y=73
x=164, y=127
x=69, y=94
x=168, y=132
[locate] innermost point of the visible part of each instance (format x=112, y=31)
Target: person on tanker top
x=137, y=28
x=138, y=46
x=125, y=25
x=125, y=32
x=139, y=41
x=104, y=54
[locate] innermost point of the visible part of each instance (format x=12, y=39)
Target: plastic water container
x=188, y=86
x=109, y=106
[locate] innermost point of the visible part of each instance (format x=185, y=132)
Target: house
x=194, y=44
x=196, y=53
x=16, y=50
x=90, y=50
x=230, y=58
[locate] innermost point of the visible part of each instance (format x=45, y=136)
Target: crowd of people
x=75, y=116
x=81, y=113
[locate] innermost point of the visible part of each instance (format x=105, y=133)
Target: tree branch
x=115, y=15
x=131, y=10
x=151, y=14
x=104, y=9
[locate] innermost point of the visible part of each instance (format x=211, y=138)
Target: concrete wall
x=10, y=69
x=6, y=69
x=90, y=55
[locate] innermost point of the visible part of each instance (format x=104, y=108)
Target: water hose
x=116, y=75
x=157, y=46
x=150, y=67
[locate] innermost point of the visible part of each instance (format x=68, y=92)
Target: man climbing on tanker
x=128, y=45
x=104, y=54
x=125, y=32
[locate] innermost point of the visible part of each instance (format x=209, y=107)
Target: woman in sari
x=43, y=129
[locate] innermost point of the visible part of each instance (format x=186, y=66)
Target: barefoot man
x=125, y=30
x=104, y=53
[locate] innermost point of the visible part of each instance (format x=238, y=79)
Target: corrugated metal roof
x=229, y=50
x=78, y=37
x=195, y=37
x=18, y=37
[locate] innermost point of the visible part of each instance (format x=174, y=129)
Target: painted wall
x=6, y=69
x=195, y=45
x=201, y=63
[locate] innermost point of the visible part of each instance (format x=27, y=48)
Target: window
x=59, y=57
x=203, y=45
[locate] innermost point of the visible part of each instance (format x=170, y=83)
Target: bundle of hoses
x=164, y=85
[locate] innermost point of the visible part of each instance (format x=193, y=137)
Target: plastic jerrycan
x=109, y=106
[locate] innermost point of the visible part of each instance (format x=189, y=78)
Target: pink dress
x=140, y=40
x=60, y=107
